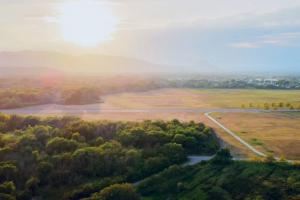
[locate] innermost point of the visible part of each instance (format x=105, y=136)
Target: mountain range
x=37, y=62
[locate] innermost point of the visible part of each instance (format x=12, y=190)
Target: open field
x=170, y=100
x=275, y=133
x=185, y=105
x=200, y=98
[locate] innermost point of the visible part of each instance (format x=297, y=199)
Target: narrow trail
x=243, y=142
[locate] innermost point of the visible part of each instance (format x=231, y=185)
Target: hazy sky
x=235, y=35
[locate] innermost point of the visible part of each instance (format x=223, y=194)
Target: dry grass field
x=211, y=98
x=270, y=133
x=275, y=133
x=141, y=116
x=200, y=98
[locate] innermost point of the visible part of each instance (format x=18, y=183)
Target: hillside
x=36, y=62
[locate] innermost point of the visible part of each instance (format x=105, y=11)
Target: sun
x=86, y=22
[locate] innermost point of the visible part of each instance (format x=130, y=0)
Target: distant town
x=237, y=82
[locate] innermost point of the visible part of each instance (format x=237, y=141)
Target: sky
x=192, y=35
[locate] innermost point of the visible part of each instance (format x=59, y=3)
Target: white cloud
x=281, y=39
x=156, y=13
x=244, y=45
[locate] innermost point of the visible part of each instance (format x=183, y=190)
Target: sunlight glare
x=86, y=22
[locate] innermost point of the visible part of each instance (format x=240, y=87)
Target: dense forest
x=224, y=179
x=68, y=158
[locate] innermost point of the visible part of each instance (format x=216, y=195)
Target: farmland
x=271, y=133
x=188, y=105
x=200, y=98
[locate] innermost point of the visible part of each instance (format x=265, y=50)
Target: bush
x=8, y=187
x=117, y=192
x=59, y=145
x=222, y=157
x=8, y=172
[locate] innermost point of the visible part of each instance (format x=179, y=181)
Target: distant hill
x=34, y=62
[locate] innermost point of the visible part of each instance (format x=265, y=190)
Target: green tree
x=155, y=164
x=8, y=187
x=175, y=152
x=44, y=169
x=41, y=133
x=99, y=141
x=31, y=185
x=59, y=145
x=222, y=157
x=88, y=161
x=180, y=139
x=266, y=106
x=77, y=137
x=8, y=172
x=85, y=129
x=27, y=141
x=281, y=104
x=117, y=192
x=218, y=193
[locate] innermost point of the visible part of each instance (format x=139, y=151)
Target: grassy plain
x=200, y=98
x=208, y=98
x=176, y=99
x=275, y=133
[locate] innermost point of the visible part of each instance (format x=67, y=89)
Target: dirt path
x=235, y=136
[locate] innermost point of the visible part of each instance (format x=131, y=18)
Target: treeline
x=22, y=97
x=22, y=92
x=272, y=106
x=14, y=98
x=67, y=158
x=80, y=96
x=224, y=179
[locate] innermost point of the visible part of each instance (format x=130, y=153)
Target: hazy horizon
x=228, y=36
